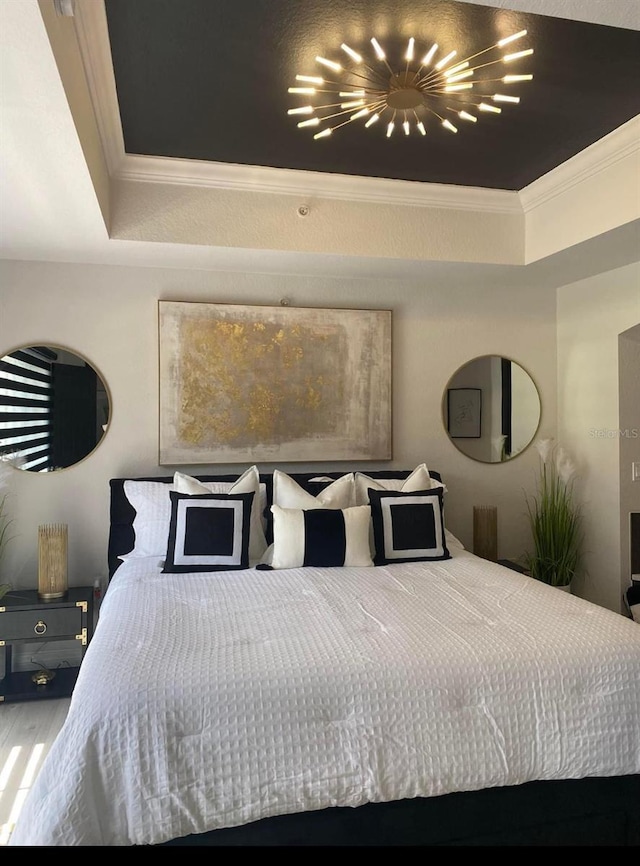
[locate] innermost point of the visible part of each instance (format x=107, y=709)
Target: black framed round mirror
x=54, y=408
x=491, y=409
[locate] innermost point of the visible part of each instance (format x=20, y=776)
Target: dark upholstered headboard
x=122, y=513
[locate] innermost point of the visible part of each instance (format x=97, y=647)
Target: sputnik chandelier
x=435, y=87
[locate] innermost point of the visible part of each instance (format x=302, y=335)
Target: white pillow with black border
x=420, y=479
x=632, y=600
x=408, y=527
x=321, y=537
x=152, y=505
x=249, y=482
x=208, y=532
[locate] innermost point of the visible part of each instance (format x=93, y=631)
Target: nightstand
x=25, y=618
x=509, y=563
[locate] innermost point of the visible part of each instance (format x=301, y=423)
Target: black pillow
x=208, y=532
x=408, y=527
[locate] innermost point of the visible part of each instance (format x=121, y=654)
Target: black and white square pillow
x=632, y=599
x=408, y=527
x=208, y=532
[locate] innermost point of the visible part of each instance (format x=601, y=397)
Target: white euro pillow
x=287, y=493
x=420, y=479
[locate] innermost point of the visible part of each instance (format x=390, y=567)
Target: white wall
x=629, y=448
x=109, y=314
x=591, y=314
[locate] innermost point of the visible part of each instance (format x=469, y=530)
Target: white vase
x=565, y=588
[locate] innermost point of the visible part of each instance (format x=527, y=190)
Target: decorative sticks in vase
x=52, y=561
x=485, y=531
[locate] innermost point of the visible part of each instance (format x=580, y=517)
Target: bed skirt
x=584, y=812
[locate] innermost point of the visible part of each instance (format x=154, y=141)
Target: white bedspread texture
x=213, y=700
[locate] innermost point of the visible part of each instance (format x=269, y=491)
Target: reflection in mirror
x=491, y=409
x=54, y=408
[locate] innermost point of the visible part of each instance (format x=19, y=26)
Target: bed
x=446, y=701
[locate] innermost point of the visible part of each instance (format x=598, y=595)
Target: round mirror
x=491, y=409
x=54, y=408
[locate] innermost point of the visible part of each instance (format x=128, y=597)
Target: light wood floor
x=27, y=730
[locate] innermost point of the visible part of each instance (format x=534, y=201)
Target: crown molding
x=615, y=13
x=92, y=32
x=305, y=184
x=598, y=157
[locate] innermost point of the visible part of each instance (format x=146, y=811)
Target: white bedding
x=212, y=700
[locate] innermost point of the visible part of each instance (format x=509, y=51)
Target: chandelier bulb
x=377, y=48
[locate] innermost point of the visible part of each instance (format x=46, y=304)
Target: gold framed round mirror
x=54, y=408
x=491, y=409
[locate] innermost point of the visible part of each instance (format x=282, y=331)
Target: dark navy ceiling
x=208, y=80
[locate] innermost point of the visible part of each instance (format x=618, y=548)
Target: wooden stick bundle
x=52, y=561
x=485, y=531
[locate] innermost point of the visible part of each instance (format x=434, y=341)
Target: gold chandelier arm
x=372, y=106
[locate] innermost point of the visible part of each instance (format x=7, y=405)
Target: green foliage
x=6, y=470
x=555, y=521
x=5, y=524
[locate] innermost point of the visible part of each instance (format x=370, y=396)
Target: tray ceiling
x=198, y=80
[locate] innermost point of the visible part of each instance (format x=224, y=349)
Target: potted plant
x=555, y=519
x=6, y=464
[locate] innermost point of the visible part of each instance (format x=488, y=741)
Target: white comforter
x=212, y=700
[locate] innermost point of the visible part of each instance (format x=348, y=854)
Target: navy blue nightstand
x=26, y=618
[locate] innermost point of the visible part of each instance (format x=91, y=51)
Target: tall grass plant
x=555, y=519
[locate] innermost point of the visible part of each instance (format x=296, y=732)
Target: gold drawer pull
x=40, y=627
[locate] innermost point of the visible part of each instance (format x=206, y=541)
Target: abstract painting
x=258, y=383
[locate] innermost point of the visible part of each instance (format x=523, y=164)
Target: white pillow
x=452, y=541
x=152, y=505
x=186, y=484
x=287, y=493
x=325, y=538
x=418, y=480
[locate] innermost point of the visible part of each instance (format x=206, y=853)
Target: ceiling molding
x=93, y=40
x=619, y=144
x=284, y=181
x=614, y=13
